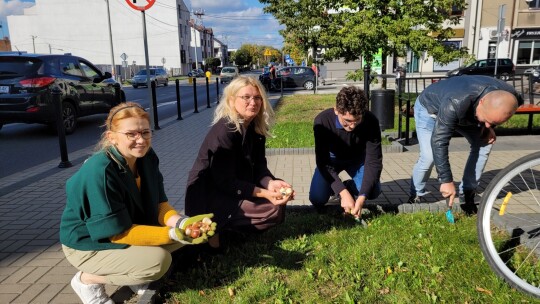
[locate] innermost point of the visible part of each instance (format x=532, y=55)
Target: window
x=88, y=71
x=534, y=4
x=69, y=66
x=528, y=51
x=437, y=67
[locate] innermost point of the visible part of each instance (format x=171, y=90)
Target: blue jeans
x=476, y=162
x=320, y=190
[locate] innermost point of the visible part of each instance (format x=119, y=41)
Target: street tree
x=242, y=57
x=354, y=29
x=213, y=63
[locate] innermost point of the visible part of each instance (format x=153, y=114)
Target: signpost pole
x=149, y=86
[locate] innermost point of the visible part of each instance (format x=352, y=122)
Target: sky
x=234, y=22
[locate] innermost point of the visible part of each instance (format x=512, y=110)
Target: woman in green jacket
x=118, y=227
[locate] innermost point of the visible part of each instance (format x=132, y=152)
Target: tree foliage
x=213, y=62
x=351, y=29
x=242, y=57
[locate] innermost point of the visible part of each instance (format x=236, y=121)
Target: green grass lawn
x=295, y=114
x=294, y=120
x=312, y=258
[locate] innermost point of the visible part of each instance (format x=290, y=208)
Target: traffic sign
x=124, y=56
x=267, y=52
x=141, y=6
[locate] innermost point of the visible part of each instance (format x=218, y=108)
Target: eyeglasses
x=349, y=122
x=145, y=134
x=247, y=98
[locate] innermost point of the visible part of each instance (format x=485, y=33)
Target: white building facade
x=81, y=27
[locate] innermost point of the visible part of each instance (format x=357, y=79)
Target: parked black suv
x=27, y=80
x=505, y=68
x=293, y=77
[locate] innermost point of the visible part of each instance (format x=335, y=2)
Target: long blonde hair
x=119, y=112
x=264, y=119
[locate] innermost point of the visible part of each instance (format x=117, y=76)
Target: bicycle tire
x=508, y=236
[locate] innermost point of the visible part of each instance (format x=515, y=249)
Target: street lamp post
x=34, y=43
x=51, y=48
x=113, y=68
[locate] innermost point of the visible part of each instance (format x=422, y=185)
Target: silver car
x=228, y=73
x=157, y=75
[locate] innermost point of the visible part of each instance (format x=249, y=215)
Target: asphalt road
x=26, y=145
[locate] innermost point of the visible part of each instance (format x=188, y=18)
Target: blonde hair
x=264, y=119
x=119, y=112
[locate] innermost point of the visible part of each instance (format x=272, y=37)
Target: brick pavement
x=32, y=265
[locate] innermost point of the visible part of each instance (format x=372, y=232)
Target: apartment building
x=81, y=28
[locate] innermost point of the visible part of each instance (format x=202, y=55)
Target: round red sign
x=142, y=5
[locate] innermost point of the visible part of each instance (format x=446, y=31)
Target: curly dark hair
x=353, y=100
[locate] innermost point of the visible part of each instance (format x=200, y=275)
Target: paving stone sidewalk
x=33, y=268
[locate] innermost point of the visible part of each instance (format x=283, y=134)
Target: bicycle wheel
x=509, y=224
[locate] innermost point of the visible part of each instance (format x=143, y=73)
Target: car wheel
x=309, y=85
x=1, y=125
x=505, y=76
x=135, y=86
x=69, y=116
x=123, y=97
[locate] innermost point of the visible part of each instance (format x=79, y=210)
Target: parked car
x=505, y=68
x=228, y=73
x=157, y=75
x=196, y=73
x=27, y=80
x=293, y=77
x=535, y=71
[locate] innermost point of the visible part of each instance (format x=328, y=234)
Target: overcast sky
x=234, y=21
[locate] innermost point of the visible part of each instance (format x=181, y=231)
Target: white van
x=228, y=73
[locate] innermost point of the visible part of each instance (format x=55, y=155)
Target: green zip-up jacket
x=103, y=200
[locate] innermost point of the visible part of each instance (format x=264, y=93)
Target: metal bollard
x=217, y=89
x=281, y=86
x=178, y=106
x=195, y=95
x=207, y=93
x=64, y=161
x=154, y=104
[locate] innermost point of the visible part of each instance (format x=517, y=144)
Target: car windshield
x=228, y=70
x=143, y=72
x=19, y=65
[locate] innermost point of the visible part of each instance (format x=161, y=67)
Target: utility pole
x=500, y=29
x=113, y=68
x=33, y=42
x=198, y=13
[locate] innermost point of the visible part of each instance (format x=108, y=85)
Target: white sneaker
x=139, y=289
x=90, y=293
